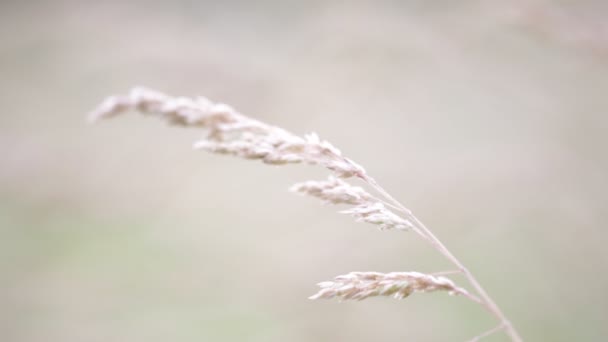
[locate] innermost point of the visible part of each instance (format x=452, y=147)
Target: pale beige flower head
x=377, y=213
x=230, y=132
x=333, y=190
x=361, y=285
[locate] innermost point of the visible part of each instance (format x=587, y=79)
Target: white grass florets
x=377, y=213
x=334, y=191
x=366, y=207
x=399, y=285
x=230, y=132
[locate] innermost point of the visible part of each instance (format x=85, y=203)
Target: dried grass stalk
x=229, y=132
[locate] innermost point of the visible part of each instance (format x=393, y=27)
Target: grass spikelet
x=228, y=132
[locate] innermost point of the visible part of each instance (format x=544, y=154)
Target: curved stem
x=485, y=299
x=488, y=333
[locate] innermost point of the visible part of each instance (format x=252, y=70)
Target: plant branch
x=231, y=133
x=485, y=300
x=488, y=333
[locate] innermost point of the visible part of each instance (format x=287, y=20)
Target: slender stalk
x=488, y=333
x=485, y=299
x=235, y=134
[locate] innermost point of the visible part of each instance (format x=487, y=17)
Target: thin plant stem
x=488, y=333
x=485, y=300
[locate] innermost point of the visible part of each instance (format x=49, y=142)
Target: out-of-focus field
x=488, y=119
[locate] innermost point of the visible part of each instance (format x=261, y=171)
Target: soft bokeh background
x=487, y=118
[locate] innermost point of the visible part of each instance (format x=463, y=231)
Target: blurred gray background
x=486, y=118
